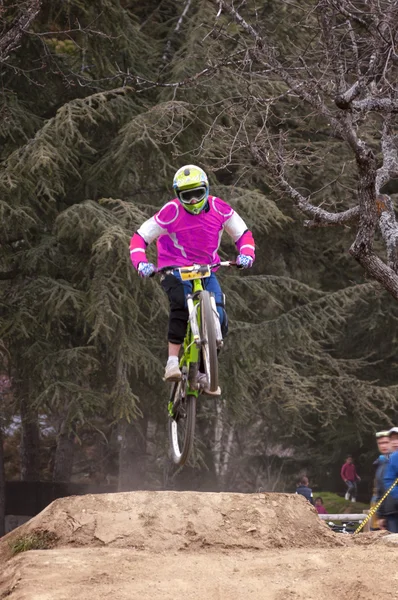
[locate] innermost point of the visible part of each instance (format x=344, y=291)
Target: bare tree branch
x=389, y=229
x=359, y=41
x=389, y=147
x=369, y=103
x=377, y=269
x=10, y=40
x=355, y=15
x=265, y=53
x=166, y=54
x=319, y=216
x=344, y=100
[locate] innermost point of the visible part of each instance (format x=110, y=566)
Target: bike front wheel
x=181, y=425
x=209, y=341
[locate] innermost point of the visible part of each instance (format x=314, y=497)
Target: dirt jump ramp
x=165, y=521
x=195, y=546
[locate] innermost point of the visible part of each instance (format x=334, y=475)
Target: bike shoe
x=202, y=381
x=172, y=373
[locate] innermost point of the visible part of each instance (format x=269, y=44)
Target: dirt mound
x=354, y=573
x=162, y=545
x=165, y=521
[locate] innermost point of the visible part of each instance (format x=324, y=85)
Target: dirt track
x=164, y=545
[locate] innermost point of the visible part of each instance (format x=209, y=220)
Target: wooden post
x=368, y=524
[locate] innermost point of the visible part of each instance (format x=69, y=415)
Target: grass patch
x=335, y=504
x=37, y=540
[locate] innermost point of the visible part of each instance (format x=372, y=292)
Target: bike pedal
x=172, y=379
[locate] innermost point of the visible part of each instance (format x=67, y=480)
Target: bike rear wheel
x=209, y=341
x=182, y=424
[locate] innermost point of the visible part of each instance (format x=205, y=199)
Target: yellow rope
x=373, y=510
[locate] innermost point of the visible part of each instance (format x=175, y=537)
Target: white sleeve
x=150, y=230
x=235, y=226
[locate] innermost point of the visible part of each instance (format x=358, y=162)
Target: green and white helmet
x=191, y=186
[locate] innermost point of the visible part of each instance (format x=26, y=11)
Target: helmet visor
x=192, y=196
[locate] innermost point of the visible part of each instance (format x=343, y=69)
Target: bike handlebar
x=224, y=263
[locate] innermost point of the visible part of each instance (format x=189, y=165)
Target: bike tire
x=182, y=425
x=209, y=341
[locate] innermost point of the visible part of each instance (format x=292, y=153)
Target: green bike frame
x=191, y=348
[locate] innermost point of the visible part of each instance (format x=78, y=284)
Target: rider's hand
x=244, y=262
x=146, y=269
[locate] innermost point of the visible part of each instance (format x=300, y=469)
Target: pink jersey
x=184, y=238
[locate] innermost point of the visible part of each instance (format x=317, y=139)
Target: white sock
x=172, y=360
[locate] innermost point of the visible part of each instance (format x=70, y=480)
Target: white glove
x=244, y=262
x=146, y=269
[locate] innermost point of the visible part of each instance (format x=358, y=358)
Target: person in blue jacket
x=384, y=446
x=390, y=507
x=304, y=489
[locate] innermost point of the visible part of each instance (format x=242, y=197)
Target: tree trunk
x=222, y=445
x=132, y=455
x=30, y=443
x=227, y=455
x=218, y=434
x=63, y=462
x=2, y=486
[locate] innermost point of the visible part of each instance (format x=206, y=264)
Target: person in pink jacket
x=320, y=509
x=188, y=231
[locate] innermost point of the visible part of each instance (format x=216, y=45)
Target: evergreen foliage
x=94, y=128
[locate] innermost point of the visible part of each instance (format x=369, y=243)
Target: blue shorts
x=177, y=290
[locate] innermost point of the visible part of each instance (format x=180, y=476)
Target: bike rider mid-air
x=188, y=230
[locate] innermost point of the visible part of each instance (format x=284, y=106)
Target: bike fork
x=217, y=323
x=192, y=309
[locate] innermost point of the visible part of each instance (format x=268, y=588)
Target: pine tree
x=90, y=157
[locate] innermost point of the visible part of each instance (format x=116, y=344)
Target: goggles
x=192, y=196
x=381, y=434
